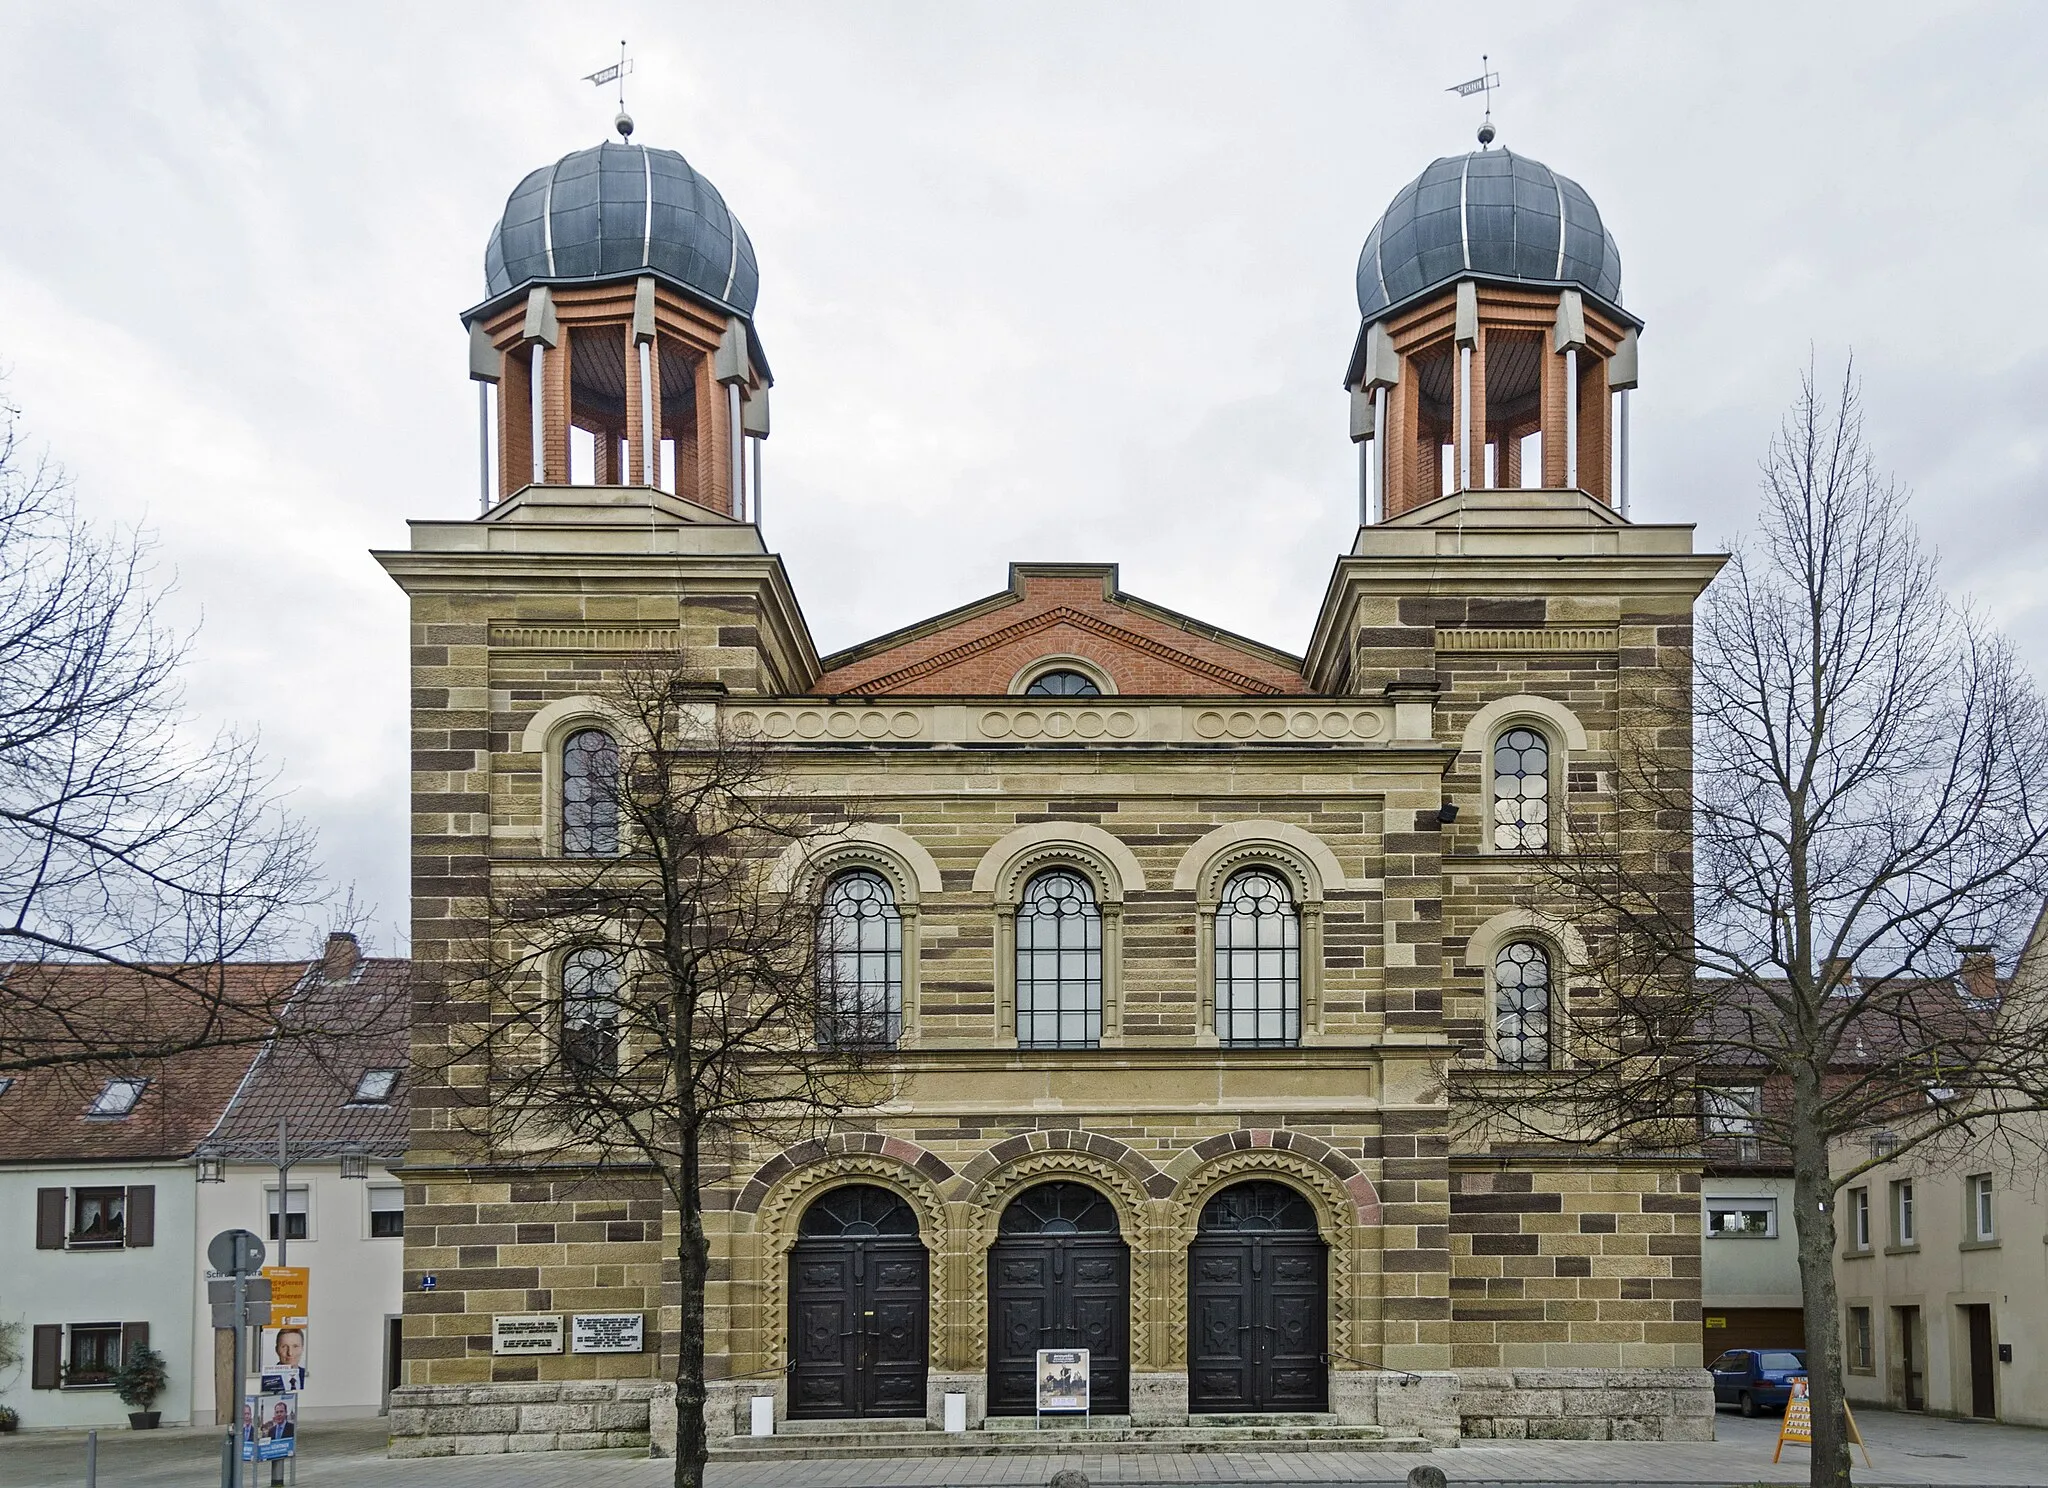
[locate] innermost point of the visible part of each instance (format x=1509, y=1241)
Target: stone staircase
x=1022, y=1436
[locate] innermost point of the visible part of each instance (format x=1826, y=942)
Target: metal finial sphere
x=624, y=124
x=1486, y=134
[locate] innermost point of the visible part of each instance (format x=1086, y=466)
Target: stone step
x=857, y=1441
x=868, y=1426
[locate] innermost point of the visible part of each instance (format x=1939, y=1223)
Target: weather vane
x=1484, y=84
x=616, y=73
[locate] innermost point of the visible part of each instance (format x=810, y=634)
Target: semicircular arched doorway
x=859, y=1301
x=1059, y=1276
x=1258, y=1303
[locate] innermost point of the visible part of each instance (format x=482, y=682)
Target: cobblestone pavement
x=1906, y=1450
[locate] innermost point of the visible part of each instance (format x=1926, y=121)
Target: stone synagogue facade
x=1192, y=942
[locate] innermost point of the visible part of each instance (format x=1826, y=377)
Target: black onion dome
x=618, y=209
x=1492, y=214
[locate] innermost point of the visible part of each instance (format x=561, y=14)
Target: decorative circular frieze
x=1057, y=723
x=1281, y=723
x=835, y=723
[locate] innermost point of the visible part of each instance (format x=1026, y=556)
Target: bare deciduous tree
x=125, y=842
x=659, y=994
x=1868, y=801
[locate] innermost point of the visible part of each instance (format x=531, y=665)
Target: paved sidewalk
x=1907, y=1450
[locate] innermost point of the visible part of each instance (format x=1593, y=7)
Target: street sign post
x=237, y=1254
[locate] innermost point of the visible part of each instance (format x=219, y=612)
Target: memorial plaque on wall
x=607, y=1333
x=527, y=1333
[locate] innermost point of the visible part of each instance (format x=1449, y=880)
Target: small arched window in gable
x=1059, y=963
x=1063, y=682
x=1258, y=961
x=1521, y=791
x=1521, y=1005
x=591, y=976
x=590, y=794
x=860, y=961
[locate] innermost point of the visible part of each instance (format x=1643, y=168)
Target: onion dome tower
x=1493, y=352
x=619, y=333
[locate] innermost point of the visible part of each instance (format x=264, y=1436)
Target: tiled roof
x=43, y=1111
x=309, y=1080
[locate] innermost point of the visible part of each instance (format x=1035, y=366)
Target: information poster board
x=1796, y=1429
x=270, y=1427
x=607, y=1333
x=1062, y=1380
x=527, y=1333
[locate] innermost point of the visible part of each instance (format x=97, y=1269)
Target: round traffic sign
x=237, y=1252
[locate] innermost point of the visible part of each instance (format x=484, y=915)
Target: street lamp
x=355, y=1164
x=213, y=1168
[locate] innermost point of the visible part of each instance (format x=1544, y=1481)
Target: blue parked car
x=1757, y=1379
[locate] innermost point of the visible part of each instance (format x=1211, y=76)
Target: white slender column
x=1464, y=418
x=1621, y=447
x=739, y=452
x=1571, y=418
x=540, y=394
x=650, y=442
x=757, y=480
x=1379, y=456
x=483, y=445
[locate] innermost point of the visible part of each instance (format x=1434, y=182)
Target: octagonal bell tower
x=1494, y=353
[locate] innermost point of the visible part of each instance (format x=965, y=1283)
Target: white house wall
x=1747, y=1270
x=355, y=1284
x=152, y=1284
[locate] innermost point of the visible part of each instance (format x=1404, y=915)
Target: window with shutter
x=134, y=1339
x=141, y=1216
x=46, y=1371
x=50, y=1205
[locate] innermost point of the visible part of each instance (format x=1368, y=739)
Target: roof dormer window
x=116, y=1099
x=375, y=1087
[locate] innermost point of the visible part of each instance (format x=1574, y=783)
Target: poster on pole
x=281, y=1365
x=270, y=1427
x=1062, y=1380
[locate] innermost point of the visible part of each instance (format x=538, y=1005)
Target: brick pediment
x=1064, y=611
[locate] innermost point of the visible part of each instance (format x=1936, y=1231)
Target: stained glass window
x=860, y=960
x=1258, y=961
x=590, y=1011
x=1521, y=1005
x=590, y=794
x=1059, y=963
x=1521, y=791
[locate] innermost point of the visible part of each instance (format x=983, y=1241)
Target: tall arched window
x=1258, y=961
x=860, y=961
x=1521, y=1005
x=1059, y=963
x=590, y=794
x=1521, y=791
x=590, y=1011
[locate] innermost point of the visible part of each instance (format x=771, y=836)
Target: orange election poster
x=289, y=1289
x=1797, y=1427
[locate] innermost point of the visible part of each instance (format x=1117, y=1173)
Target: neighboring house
x=1749, y=1236
x=343, y=1103
x=97, y=1204
x=1942, y=1268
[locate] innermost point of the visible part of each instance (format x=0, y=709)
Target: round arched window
x=1063, y=682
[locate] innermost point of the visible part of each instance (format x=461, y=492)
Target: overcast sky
x=1038, y=281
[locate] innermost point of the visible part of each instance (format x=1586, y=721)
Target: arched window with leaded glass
x=1059, y=962
x=1521, y=1005
x=860, y=960
x=590, y=794
x=1258, y=961
x=591, y=977
x=1063, y=682
x=1521, y=791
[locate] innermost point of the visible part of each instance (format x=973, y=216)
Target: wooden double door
x=1258, y=1304
x=859, y=1308
x=1059, y=1276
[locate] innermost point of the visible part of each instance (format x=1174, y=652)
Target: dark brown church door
x=1258, y=1303
x=1059, y=1276
x=858, y=1305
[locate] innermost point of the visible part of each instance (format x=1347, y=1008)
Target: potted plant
x=9, y=1419
x=141, y=1378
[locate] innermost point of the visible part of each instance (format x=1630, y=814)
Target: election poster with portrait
x=281, y=1365
x=270, y=1427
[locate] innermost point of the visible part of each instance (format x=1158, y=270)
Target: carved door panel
x=1058, y=1292
x=858, y=1328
